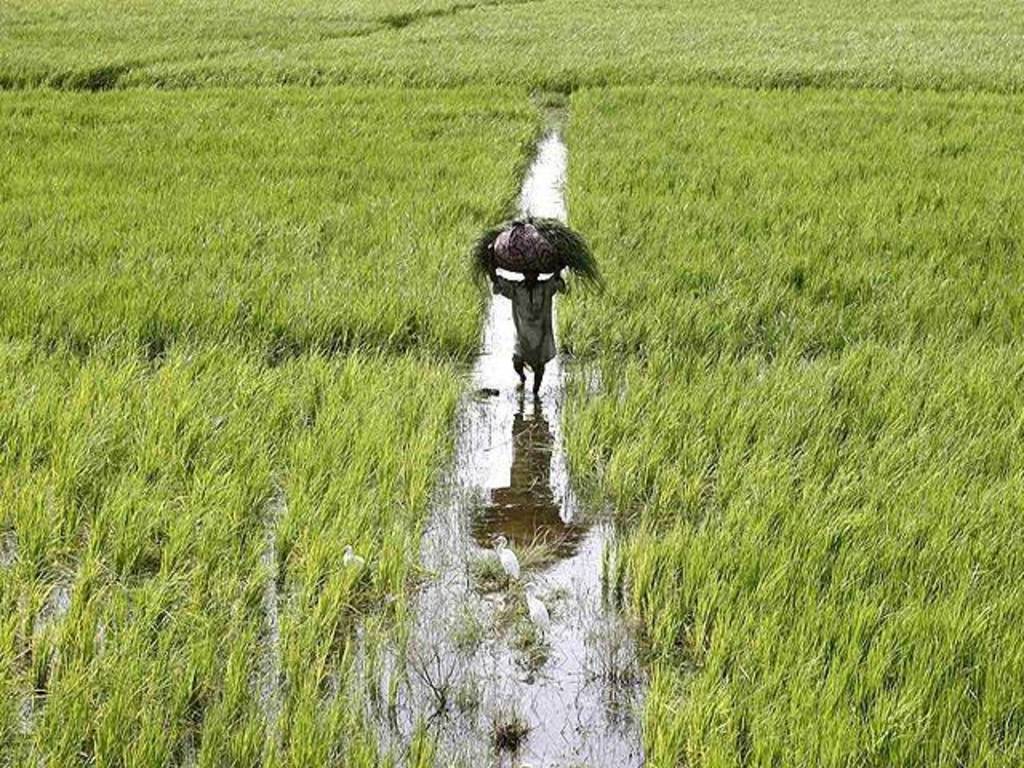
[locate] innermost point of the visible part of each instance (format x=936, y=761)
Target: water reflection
x=526, y=510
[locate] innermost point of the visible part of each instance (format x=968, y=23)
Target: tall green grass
x=151, y=495
x=232, y=326
x=809, y=406
x=544, y=44
x=94, y=45
x=283, y=220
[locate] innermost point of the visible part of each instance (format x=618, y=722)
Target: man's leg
x=538, y=376
x=517, y=363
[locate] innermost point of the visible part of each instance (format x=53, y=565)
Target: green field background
x=302, y=219
x=235, y=318
x=546, y=44
x=810, y=409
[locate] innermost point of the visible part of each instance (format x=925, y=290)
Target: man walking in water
x=532, y=301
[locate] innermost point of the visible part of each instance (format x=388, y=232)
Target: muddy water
x=487, y=686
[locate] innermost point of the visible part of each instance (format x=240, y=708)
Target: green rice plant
x=809, y=410
x=283, y=220
x=421, y=753
x=208, y=392
x=155, y=486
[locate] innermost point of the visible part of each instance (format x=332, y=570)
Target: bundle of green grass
x=535, y=245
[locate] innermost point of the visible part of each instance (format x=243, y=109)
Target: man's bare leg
x=538, y=376
x=517, y=363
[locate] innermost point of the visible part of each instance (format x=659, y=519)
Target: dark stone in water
x=487, y=392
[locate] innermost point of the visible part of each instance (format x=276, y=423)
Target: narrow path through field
x=270, y=661
x=402, y=20
x=490, y=688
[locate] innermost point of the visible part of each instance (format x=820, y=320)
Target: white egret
x=538, y=612
x=350, y=559
x=509, y=561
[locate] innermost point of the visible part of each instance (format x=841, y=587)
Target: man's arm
x=499, y=285
x=558, y=284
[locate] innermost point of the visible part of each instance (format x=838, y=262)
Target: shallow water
x=473, y=664
x=543, y=192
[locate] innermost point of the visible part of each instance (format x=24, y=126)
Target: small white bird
x=509, y=561
x=538, y=612
x=350, y=559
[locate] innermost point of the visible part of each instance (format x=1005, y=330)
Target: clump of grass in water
x=469, y=696
x=532, y=646
x=509, y=730
x=468, y=632
x=487, y=573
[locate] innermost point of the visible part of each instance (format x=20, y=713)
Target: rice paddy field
x=200, y=410
x=812, y=417
x=236, y=321
x=546, y=44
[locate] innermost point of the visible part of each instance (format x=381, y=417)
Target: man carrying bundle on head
x=533, y=247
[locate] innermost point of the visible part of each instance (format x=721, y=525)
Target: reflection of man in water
x=526, y=509
x=530, y=475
